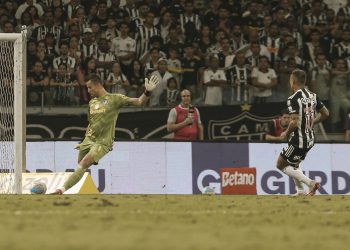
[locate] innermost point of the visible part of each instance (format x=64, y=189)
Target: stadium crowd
x=224, y=52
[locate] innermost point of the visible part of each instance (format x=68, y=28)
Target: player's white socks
x=298, y=184
x=298, y=175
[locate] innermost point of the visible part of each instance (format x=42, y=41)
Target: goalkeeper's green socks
x=74, y=178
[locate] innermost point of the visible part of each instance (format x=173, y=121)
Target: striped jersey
x=142, y=38
x=305, y=103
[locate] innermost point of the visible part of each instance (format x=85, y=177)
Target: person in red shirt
x=277, y=126
x=184, y=120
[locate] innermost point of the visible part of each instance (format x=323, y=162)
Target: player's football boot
x=313, y=188
x=57, y=192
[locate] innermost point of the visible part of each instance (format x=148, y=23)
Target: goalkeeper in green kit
x=103, y=113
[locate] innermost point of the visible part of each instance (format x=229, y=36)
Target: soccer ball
x=38, y=188
x=208, y=190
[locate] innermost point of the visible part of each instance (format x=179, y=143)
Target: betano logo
x=237, y=178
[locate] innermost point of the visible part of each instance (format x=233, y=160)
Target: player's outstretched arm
x=150, y=84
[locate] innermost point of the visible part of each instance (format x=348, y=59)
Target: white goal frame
x=20, y=77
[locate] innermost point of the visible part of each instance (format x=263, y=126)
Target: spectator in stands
x=124, y=48
x=211, y=15
x=117, y=82
x=31, y=52
x=136, y=79
x=51, y=49
x=34, y=13
x=72, y=6
x=87, y=67
x=174, y=66
x=142, y=9
x=104, y=59
x=252, y=18
x=237, y=37
x=120, y=14
x=214, y=79
x=11, y=8
x=254, y=52
x=144, y=33
x=48, y=27
x=37, y=82
x=264, y=79
x=88, y=47
x=60, y=18
x=339, y=92
x=184, y=120
x=204, y=40
x=192, y=67
x=174, y=41
x=65, y=59
x=320, y=78
x=74, y=49
x=189, y=17
x=224, y=21
x=74, y=30
x=102, y=14
x=8, y=27
x=317, y=14
x=64, y=87
x=79, y=18
x=171, y=95
x=26, y=19
x=310, y=48
x=164, y=75
x=166, y=21
x=272, y=41
x=151, y=65
x=111, y=29
x=96, y=30
x=239, y=88
x=131, y=8
x=277, y=126
x=43, y=56
x=216, y=46
x=25, y=5
x=225, y=55
x=342, y=48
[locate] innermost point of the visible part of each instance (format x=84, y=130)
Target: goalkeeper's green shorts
x=96, y=150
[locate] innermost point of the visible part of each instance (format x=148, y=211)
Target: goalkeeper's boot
x=59, y=191
x=313, y=188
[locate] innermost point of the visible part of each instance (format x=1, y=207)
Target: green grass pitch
x=155, y=222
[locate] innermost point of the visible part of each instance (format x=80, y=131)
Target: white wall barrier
x=169, y=168
x=327, y=163
x=131, y=168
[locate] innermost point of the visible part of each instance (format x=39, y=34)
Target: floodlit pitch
x=174, y=222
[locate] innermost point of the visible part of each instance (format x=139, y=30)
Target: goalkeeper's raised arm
x=103, y=113
x=150, y=84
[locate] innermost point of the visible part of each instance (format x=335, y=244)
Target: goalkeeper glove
x=150, y=84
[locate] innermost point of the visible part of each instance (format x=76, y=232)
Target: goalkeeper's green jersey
x=102, y=115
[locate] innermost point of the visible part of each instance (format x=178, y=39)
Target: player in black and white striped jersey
x=302, y=106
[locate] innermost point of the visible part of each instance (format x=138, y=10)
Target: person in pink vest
x=184, y=120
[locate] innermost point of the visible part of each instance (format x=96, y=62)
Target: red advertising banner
x=238, y=180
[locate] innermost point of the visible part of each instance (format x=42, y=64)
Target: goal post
x=13, y=68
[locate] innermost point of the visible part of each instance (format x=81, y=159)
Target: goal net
x=12, y=111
